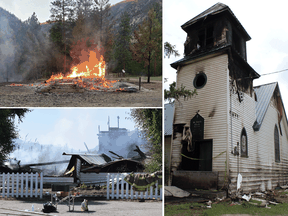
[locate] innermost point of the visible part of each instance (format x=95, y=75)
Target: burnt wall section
x=212, y=34
x=195, y=179
x=240, y=75
x=211, y=102
x=205, y=36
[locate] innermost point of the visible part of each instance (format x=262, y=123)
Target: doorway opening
x=200, y=158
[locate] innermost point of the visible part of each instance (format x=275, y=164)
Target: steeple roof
x=215, y=10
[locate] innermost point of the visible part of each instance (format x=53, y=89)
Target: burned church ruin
x=230, y=131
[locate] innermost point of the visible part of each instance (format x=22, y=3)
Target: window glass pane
x=243, y=141
x=276, y=144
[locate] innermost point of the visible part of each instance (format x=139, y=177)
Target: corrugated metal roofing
x=92, y=159
x=168, y=119
x=263, y=94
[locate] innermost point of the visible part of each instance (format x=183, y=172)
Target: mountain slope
x=24, y=51
x=137, y=10
x=10, y=27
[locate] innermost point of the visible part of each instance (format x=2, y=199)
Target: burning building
x=87, y=72
x=119, y=140
x=118, y=152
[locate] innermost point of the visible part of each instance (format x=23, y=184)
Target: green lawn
x=143, y=78
x=224, y=208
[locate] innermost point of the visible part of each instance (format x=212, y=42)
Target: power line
x=242, y=78
x=274, y=72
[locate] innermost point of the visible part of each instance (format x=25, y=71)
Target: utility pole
x=86, y=147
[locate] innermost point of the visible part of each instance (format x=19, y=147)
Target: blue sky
x=71, y=126
x=23, y=9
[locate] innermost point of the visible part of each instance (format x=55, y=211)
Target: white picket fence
x=21, y=185
x=120, y=189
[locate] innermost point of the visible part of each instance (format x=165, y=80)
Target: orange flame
x=13, y=84
x=89, y=71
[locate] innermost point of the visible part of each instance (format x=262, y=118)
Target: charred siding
x=212, y=97
x=259, y=170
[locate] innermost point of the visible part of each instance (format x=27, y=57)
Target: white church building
x=230, y=130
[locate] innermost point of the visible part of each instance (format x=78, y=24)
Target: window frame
x=276, y=145
x=244, y=133
x=197, y=77
x=206, y=36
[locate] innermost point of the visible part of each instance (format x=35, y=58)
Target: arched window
x=276, y=144
x=244, y=143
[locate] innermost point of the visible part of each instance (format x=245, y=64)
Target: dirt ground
x=25, y=96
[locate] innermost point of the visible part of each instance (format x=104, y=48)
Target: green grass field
x=143, y=78
x=187, y=209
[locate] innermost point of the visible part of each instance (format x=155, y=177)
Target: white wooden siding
x=245, y=118
x=259, y=170
x=212, y=96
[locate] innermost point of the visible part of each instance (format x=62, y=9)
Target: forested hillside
x=30, y=50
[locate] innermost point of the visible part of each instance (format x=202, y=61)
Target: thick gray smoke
x=32, y=152
x=24, y=48
x=7, y=51
x=121, y=141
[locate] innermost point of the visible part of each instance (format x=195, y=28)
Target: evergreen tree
x=108, y=42
x=158, y=54
x=80, y=29
x=34, y=46
x=122, y=43
x=175, y=93
x=33, y=24
x=169, y=50
x=31, y=61
x=150, y=122
x=62, y=11
x=8, y=130
x=105, y=27
x=103, y=11
x=84, y=7
x=148, y=41
x=83, y=26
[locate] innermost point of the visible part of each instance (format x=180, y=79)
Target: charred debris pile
x=86, y=163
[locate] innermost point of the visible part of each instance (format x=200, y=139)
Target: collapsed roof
x=102, y=163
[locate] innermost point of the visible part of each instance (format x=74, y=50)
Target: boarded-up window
x=244, y=143
x=276, y=144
